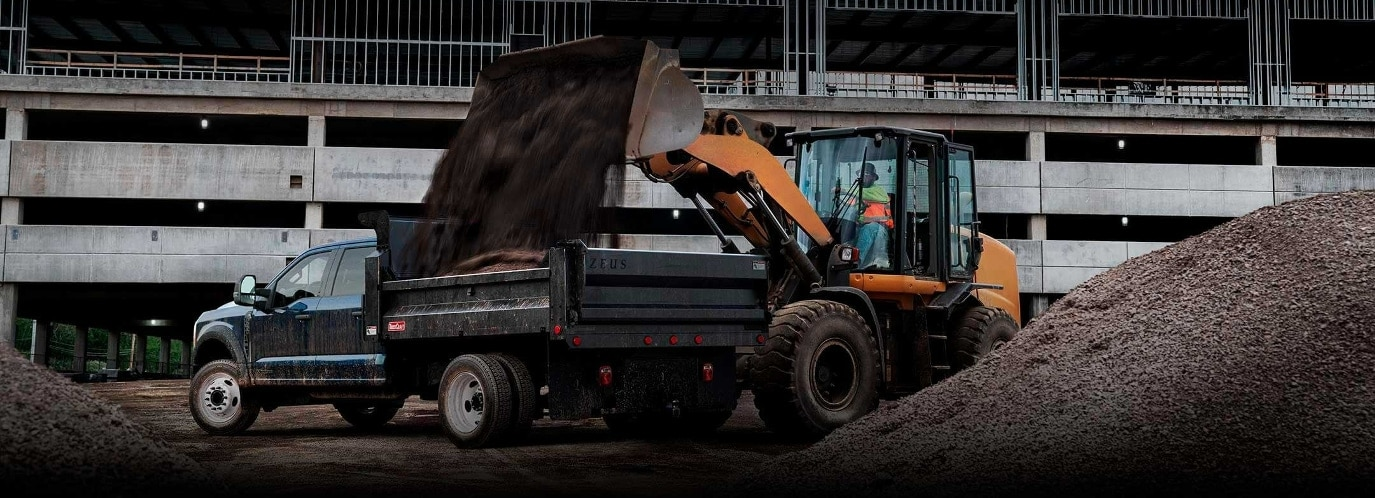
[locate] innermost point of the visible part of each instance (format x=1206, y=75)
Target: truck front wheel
x=817, y=371
x=218, y=404
x=476, y=401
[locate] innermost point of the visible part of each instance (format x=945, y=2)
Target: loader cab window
x=304, y=279
x=851, y=182
x=917, y=209
x=962, y=210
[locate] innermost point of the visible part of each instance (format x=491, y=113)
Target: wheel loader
x=879, y=282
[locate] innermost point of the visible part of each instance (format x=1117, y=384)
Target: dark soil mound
x=503, y=260
x=531, y=163
x=56, y=439
x=1238, y=362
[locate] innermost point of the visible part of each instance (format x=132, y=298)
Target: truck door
x=339, y=353
x=277, y=338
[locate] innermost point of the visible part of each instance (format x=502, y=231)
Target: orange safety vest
x=877, y=212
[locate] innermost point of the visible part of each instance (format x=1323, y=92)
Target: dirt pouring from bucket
x=1240, y=362
x=530, y=165
x=56, y=439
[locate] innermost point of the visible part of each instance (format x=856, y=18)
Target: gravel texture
x=1239, y=362
x=56, y=439
x=531, y=163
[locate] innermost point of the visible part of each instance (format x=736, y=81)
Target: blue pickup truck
x=643, y=339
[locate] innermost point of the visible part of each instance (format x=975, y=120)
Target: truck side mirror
x=247, y=292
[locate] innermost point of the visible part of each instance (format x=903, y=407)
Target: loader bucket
x=665, y=110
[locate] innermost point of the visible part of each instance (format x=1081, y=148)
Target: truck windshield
x=847, y=180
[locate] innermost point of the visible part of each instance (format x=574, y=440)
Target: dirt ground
x=310, y=450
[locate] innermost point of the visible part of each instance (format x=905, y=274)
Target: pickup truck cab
x=643, y=339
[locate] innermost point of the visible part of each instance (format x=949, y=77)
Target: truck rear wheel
x=367, y=416
x=817, y=371
x=978, y=332
x=219, y=406
x=476, y=402
x=526, y=398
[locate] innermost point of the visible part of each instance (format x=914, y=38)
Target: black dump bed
x=586, y=297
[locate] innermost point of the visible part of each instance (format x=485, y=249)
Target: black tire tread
x=527, y=408
x=970, y=329
x=772, y=369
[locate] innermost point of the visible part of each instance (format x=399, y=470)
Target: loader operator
x=875, y=221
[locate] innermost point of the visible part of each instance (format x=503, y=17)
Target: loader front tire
x=817, y=371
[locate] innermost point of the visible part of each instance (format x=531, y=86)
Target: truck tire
x=817, y=371
x=476, y=401
x=526, y=397
x=219, y=406
x=367, y=416
x=979, y=331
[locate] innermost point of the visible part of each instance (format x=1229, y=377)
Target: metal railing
x=155, y=65
x=733, y=81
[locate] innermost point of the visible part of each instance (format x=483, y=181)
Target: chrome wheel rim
x=220, y=400
x=464, y=404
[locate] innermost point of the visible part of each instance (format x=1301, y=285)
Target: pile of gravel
x=56, y=439
x=1237, y=362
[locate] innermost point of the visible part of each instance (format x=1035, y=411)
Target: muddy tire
x=817, y=371
x=979, y=331
x=219, y=406
x=367, y=416
x=526, y=397
x=476, y=401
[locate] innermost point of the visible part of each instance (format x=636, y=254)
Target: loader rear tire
x=817, y=371
x=476, y=402
x=978, y=332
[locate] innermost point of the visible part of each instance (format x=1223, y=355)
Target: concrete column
x=9, y=303
x=11, y=211
x=38, y=347
x=79, y=350
x=16, y=124
x=315, y=132
x=1036, y=146
x=1039, y=303
x=315, y=215
x=185, y=357
x=164, y=355
x=139, y=354
x=1036, y=227
x=1266, y=153
x=112, y=350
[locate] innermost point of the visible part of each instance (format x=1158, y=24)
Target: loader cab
x=903, y=198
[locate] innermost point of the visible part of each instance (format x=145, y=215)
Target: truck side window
x=303, y=280
x=349, y=280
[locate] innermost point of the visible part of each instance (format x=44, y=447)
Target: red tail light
x=577, y=341
x=708, y=372
x=697, y=340
x=673, y=340
x=649, y=340
x=759, y=338
x=604, y=376
x=558, y=329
